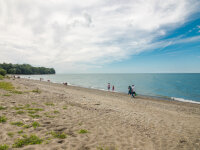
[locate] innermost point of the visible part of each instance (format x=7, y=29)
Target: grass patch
x=17, y=92
x=49, y=116
x=32, y=112
x=64, y=107
x=59, y=135
x=20, y=112
x=6, y=86
x=18, y=108
x=4, y=147
x=19, y=124
x=7, y=95
x=35, y=125
x=1, y=77
x=10, y=134
x=20, y=132
x=37, y=91
x=106, y=148
x=3, y=119
x=27, y=105
x=83, y=131
x=56, y=112
x=49, y=104
x=34, y=116
x=33, y=139
x=2, y=107
x=26, y=126
x=35, y=109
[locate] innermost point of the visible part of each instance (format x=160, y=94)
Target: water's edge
x=144, y=96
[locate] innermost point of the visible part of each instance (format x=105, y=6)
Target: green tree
x=2, y=72
x=26, y=69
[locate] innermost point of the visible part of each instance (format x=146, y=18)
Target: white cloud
x=76, y=35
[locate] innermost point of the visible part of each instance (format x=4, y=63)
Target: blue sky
x=100, y=36
x=181, y=57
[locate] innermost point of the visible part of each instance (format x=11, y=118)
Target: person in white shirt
x=133, y=90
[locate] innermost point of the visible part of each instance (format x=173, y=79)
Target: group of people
x=131, y=90
x=113, y=87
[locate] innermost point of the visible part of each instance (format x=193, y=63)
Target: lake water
x=182, y=87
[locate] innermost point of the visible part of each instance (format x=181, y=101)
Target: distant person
x=108, y=86
x=113, y=88
x=129, y=90
x=133, y=91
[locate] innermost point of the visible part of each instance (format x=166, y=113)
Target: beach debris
x=25, y=119
x=60, y=129
x=60, y=141
x=97, y=104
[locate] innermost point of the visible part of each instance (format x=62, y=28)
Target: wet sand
x=113, y=121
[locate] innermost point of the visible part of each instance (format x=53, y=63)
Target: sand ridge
x=112, y=120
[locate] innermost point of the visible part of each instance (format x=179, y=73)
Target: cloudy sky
x=101, y=35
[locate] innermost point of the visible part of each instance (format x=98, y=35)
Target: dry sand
x=114, y=121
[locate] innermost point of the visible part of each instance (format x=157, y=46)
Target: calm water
x=182, y=87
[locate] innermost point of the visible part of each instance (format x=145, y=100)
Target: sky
x=101, y=36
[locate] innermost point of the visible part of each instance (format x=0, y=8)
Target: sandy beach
x=92, y=119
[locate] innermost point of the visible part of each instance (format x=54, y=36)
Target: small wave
x=184, y=100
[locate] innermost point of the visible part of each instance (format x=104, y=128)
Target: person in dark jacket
x=129, y=90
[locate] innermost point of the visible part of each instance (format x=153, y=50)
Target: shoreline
x=140, y=95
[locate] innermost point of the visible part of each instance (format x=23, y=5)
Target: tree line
x=25, y=69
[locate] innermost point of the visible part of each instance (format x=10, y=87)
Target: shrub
x=33, y=139
x=58, y=135
x=4, y=147
x=3, y=119
x=2, y=72
x=35, y=124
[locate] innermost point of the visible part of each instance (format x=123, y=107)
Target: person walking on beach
x=129, y=90
x=108, y=86
x=133, y=91
x=113, y=88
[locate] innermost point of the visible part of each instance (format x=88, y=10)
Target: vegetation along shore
x=25, y=69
